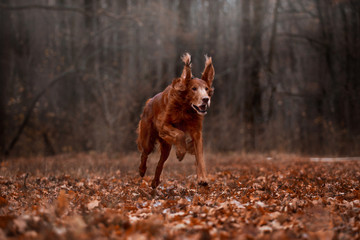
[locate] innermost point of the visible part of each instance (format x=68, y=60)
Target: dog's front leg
x=199, y=155
x=175, y=137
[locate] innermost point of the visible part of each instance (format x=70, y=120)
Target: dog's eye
x=194, y=88
x=206, y=89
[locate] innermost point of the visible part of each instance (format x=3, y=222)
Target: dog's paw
x=203, y=183
x=180, y=155
x=155, y=183
x=142, y=171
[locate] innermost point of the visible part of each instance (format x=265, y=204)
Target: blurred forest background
x=74, y=75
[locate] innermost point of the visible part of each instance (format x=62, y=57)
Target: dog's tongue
x=203, y=107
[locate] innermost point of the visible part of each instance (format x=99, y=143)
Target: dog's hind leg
x=165, y=150
x=142, y=167
x=146, y=144
x=144, y=156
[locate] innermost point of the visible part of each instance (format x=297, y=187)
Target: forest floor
x=92, y=196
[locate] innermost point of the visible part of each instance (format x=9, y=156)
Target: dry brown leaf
x=255, y=199
x=3, y=202
x=93, y=204
x=62, y=203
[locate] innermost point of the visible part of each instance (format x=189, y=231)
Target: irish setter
x=174, y=117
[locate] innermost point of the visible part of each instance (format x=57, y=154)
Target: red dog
x=174, y=117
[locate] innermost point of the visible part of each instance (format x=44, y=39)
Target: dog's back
x=154, y=108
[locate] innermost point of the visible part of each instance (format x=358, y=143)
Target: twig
x=26, y=176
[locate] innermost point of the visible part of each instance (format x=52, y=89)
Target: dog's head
x=197, y=92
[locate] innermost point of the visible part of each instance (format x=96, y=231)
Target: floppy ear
x=186, y=74
x=209, y=72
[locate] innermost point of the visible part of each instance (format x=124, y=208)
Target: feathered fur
x=174, y=117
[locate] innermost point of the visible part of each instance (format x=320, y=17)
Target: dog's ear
x=178, y=84
x=209, y=72
x=186, y=74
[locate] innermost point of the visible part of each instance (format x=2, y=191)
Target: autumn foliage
x=249, y=197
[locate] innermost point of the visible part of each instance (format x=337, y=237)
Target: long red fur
x=170, y=119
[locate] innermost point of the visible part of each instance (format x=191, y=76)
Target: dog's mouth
x=202, y=109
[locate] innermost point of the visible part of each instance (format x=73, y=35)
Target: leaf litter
x=248, y=197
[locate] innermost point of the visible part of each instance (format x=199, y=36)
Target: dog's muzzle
x=201, y=109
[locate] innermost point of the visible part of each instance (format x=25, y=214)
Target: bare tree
x=287, y=72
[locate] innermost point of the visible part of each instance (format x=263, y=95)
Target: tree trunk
x=5, y=41
x=252, y=53
x=270, y=60
x=182, y=32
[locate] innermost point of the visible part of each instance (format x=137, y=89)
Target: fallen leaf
x=93, y=204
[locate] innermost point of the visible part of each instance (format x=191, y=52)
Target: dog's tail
x=138, y=141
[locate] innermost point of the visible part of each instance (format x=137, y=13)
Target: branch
x=100, y=11
x=32, y=105
x=45, y=7
x=309, y=39
x=294, y=95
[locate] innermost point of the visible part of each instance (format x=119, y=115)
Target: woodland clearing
x=250, y=196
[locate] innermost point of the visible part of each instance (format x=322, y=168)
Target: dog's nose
x=205, y=99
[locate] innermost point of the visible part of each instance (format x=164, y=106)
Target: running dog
x=175, y=117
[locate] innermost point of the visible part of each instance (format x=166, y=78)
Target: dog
x=175, y=117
